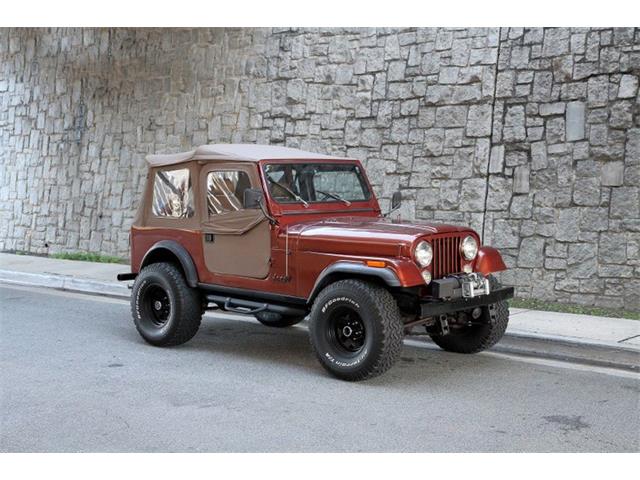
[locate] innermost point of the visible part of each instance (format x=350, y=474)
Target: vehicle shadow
x=289, y=348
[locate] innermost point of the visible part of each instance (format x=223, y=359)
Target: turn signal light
x=376, y=263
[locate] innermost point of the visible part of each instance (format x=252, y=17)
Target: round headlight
x=423, y=253
x=426, y=276
x=469, y=248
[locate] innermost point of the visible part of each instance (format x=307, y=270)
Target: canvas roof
x=239, y=151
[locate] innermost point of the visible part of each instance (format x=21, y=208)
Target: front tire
x=355, y=329
x=493, y=323
x=166, y=311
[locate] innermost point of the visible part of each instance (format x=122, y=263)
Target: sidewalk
x=100, y=278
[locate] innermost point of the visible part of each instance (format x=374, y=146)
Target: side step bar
x=249, y=307
x=123, y=277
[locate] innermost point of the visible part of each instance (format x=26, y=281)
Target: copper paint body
x=316, y=237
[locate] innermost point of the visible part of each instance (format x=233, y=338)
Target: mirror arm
x=397, y=199
x=391, y=211
x=272, y=220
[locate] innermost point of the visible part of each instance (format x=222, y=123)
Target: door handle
x=209, y=237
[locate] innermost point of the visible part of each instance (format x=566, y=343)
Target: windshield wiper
x=336, y=196
x=289, y=191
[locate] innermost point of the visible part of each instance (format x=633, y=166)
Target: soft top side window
x=172, y=194
x=225, y=190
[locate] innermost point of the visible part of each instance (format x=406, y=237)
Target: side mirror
x=252, y=198
x=396, y=201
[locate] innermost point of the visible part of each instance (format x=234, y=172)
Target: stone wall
x=531, y=136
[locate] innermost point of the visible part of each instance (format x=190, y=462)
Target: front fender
x=488, y=261
x=387, y=275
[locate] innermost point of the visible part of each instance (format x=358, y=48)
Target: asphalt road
x=75, y=376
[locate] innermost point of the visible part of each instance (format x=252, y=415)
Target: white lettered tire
x=355, y=329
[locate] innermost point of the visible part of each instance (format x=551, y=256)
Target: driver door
x=236, y=241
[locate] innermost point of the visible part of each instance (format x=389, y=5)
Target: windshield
x=316, y=182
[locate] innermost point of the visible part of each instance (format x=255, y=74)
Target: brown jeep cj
x=283, y=234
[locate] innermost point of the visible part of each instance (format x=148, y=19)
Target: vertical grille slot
x=446, y=256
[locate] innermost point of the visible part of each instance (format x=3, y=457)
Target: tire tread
x=188, y=306
x=392, y=328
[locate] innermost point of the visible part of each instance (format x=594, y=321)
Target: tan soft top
x=240, y=151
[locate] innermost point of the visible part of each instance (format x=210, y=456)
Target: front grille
x=446, y=255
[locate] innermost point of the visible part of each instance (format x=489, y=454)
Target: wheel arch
x=344, y=269
x=172, y=252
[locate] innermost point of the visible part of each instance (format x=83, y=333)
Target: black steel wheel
x=355, y=329
x=347, y=329
x=166, y=311
x=156, y=304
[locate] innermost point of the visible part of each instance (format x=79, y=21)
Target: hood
x=364, y=235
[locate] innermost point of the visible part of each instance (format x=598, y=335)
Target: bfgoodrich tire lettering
x=495, y=319
x=355, y=329
x=166, y=311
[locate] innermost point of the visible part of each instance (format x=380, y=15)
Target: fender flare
x=488, y=261
x=387, y=275
x=186, y=262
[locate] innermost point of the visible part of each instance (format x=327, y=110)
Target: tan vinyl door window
x=172, y=194
x=225, y=191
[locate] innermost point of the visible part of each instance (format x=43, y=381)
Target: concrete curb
x=573, y=341
x=65, y=282
x=517, y=338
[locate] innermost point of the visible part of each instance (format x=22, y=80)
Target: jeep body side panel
x=144, y=239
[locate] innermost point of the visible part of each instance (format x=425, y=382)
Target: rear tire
x=272, y=319
x=166, y=311
x=474, y=339
x=355, y=329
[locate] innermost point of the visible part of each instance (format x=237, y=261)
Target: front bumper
x=461, y=292
x=442, y=307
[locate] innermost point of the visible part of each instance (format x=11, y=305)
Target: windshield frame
x=329, y=201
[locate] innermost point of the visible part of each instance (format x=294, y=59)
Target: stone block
x=581, y=260
x=612, y=174
x=613, y=248
x=514, y=129
x=472, y=195
x=521, y=179
x=505, y=234
x=546, y=109
x=568, y=225
x=496, y=160
x=625, y=202
x=530, y=254
x=539, y=158
x=575, y=121
x=586, y=191
x=451, y=116
x=628, y=86
x=479, y=121
x=499, y=193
